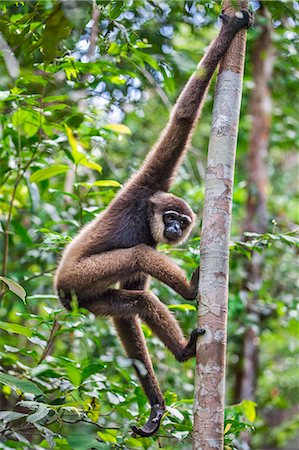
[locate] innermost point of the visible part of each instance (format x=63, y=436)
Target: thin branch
x=37, y=275
x=47, y=350
x=91, y=423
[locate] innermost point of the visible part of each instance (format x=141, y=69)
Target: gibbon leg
x=125, y=304
x=132, y=338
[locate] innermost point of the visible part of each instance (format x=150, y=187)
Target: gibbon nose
x=173, y=231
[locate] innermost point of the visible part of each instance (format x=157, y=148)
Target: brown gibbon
x=119, y=246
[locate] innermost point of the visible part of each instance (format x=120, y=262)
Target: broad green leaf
x=75, y=120
x=115, y=399
x=115, y=9
x=84, y=441
x=23, y=385
x=292, y=240
x=79, y=157
x=74, y=374
x=55, y=98
x=27, y=121
x=48, y=172
x=149, y=60
x=227, y=428
x=114, y=49
x=16, y=328
x=249, y=409
x=91, y=369
x=134, y=443
x=108, y=436
x=57, y=27
x=175, y=413
x=107, y=183
x=118, y=79
x=10, y=416
x=41, y=412
x=180, y=435
x=118, y=128
x=15, y=287
x=76, y=154
x=91, y=165
x=57, y=191
x=182, y=307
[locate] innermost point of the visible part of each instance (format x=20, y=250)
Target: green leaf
x=291, y=240
x=115, y=9
x=79, y=157
x=149, y=60
x=249, y=408
x=108, y=436
x=133, y=443
x=91, y=369
x=15, y=287
x=175, y=413
x=118, y=128
x=41, y=412
x=57, y=27
x=83, y=441
x=10, y=416
x=22, y=385
x=76, y=154
x=117, y=79
x=27, y=122
x=91, y=165
x=48, y=172
x=115, y=399
x=182, y=307
x=107, y=183
x=114, y=49
x=16, y=328
x=75, y=120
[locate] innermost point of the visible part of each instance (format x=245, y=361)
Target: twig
x=50, y=342
x=91, y=423
x=38, y=275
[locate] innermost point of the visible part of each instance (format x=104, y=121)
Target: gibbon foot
x=247, y=18
x=190, y=349
x=153, y=423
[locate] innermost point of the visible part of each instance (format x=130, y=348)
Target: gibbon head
x=171, y=218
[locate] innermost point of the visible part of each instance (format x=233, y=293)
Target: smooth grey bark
x=214, y=249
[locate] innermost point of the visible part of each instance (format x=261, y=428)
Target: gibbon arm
x=96, y=273
x=160, y=166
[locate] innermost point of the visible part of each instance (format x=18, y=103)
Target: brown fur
x=119, y=245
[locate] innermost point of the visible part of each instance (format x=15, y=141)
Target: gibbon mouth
x=172, y=233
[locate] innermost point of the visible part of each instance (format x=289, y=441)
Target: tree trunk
x=256, y=217
x=214, y=251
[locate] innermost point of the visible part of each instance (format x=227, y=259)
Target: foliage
x=73, y=124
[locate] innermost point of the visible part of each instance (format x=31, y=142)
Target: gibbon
x=119, y=246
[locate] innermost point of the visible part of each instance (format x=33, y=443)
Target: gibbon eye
x=170, y=217
x=183, y=223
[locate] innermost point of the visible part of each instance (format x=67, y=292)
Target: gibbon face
x=175, y=225
x=172, y=218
